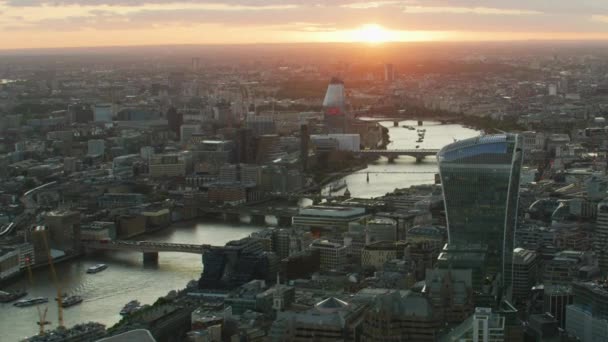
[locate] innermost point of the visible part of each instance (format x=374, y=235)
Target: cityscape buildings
x=295, y=195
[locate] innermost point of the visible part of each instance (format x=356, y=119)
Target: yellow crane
x=41, y=314
x=56, y=281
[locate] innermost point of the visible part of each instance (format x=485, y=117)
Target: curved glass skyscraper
x=480, y=178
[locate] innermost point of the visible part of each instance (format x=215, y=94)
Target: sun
x=373, y=34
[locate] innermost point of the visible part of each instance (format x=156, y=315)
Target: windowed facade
x=480, y=178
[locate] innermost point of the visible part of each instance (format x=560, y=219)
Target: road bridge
x=150, y=249
x=396, y=120
x=284, y=215
x=418, y=153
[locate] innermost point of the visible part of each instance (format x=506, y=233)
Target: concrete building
x=167, y=165
x=96, y=147
x=103, y=112
x=566, y=266
x=451, y=293
x=400, y=316
x=525, y=273
x=423, y=245
x=377, y=253
x=555, y=300
x=130, y=225
x=483, y=326
x=587, y=317
x=329, y=320
x=120, y=200
x=600, y=237
x=186, y=131
x=249, y=296
x=124, y=166
x=332, y=255
x=328, y=217
x=64, y=229
x=260, y=124
x=9, y=263
x=99, y=230
x=343, y=142
x=389, y=73
x=380, y=229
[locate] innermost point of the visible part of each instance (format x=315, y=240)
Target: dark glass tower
x=480, y=178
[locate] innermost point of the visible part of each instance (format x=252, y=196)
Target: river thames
x=127, y=278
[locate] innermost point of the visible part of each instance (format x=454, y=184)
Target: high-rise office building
x=600, y=238
x=196, y=64
x=480, y=178
x=175, y=121
x=389, y=73
x=304, y=146
x=334, y=107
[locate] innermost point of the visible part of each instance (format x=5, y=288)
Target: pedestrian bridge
x=146, y=247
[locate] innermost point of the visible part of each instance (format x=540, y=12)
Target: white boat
x=29, y=302
x=97, y=268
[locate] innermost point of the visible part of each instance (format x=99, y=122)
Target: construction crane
x=42, y=319
x=41, y=314
x=56, y=281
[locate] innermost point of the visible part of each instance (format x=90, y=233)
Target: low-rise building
x=9, y=263
x=99, y=230
x=332, y=255
x=328, y=217
x=377, y=253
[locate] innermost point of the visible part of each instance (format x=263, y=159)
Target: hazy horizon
x=27, y=24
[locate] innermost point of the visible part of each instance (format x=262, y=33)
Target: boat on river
x=97, y=268
x=67, y=301
x=7, y=297
x=30, y=302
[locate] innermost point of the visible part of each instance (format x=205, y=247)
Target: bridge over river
x=150, y=249
x=418, y=153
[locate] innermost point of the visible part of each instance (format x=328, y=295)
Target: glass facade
x=480, y=178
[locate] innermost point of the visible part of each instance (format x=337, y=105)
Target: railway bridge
x=150, y=249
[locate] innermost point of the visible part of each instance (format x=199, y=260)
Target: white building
x=326, y=217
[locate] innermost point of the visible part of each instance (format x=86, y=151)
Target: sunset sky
x=69, y=23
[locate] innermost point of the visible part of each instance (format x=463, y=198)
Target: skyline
x=29, y=24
